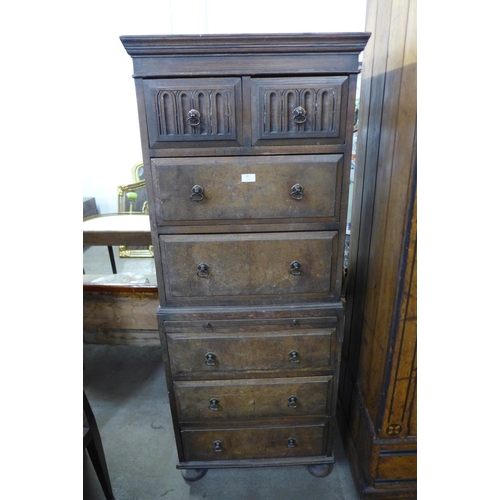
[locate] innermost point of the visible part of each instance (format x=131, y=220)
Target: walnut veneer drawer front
x=249, y=443
x=252, y=398
x=248, y=264
x=251, y=188
x=192, y=354
x=299, y=108
x=191, y=111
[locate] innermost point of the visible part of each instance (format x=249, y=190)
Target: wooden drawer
x=247, y=188
x=397, y=465
x=299, y=109
x=192, y=112
x=253, y=443
x=192, y=354
x=252, y=398
x=271, y=264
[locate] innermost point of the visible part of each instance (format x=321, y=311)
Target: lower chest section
x=259, y=385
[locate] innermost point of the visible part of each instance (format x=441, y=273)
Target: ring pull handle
x=210, y=359
x=196, y=193
x=292, y=402
x=217, y=446
x=297, y=192
x=299, y=115
x=293, y=357
x=291, y=443
x=296, y=268
x=193, y=118
x=202, y=270
x=214, y=404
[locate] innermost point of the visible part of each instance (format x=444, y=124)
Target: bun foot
x=193, y=474
x=320, y=470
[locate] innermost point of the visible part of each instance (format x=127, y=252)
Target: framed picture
x=138, y=172
x=132, y=198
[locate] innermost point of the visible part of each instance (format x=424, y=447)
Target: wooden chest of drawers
x=246, y=146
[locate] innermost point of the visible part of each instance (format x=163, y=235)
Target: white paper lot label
x=247, y=177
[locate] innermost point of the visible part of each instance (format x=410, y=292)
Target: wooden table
x=116, y=229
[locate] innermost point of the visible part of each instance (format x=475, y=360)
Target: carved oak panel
x=192, y=110
x=298, y=108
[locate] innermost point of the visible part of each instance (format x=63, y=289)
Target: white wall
x=106, y=92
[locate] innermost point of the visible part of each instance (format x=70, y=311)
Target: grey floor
x=97, y=267
x=126, y=388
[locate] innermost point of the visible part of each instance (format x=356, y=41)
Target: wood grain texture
x=249, y=264
x=257, y=443
x=378, y=384
x=120, y=315
x=256, y=189
x=249, y=270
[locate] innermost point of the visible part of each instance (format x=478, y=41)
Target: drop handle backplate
x=299, y=115
x=196, y=193
x=291, y=443
x=296, y=268
x=214, y=404
x=292, y=402
x=203, y=271
x=193, y=118
x=210, y=359
x=297, y=192
x=293, y=357
x=217, y=446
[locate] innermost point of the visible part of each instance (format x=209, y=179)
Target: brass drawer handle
x=296, y=268
x=299, y=115
x=297, y=192
x=210, y=359
x=196, y=193
x=291, y=443
x=193, y=118
x=293, y=357
x=214, y=404
x=292, y=402
x=202, y=270
x=217, y=446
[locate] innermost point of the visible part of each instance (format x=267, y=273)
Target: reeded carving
x=213, y=109
x=321, y=111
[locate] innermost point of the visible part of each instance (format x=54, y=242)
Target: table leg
x=112, y=259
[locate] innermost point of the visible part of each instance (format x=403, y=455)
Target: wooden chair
x=93, y=444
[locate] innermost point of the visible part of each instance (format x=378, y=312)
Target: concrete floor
x=126, y=389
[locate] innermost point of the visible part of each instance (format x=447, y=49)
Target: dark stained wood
x=236, y=325
x=249, y=264
x=247, y=188
x=252, y=398
x=377, y=391
x=257, y=442
x=321, y=101
x=215, y=104
x=276, y=351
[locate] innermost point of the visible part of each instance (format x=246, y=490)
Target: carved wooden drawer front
x=251, y=188
x=193, y=110
x=192, y=354
x=298, y=108
x=257, y=442
x=248, y=264
x=252, y=398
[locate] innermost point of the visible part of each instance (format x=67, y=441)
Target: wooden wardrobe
x=377, y=390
